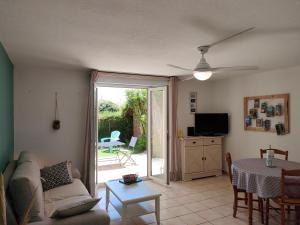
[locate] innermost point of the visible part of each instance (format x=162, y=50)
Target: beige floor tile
x=168, y=203
x=173, y=212
x=209, y=215
x=224, y=210
x=226, y=221
x=146, y=219
x=186, y=199
x=172, y=221
x=211, y=203
x=192, y=219
x=196, y=206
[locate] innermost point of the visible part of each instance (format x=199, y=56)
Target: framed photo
x=263, y=108
x=256, y=103
x=259, y=123
x=193, y=95
x=253, y=113
x=270, y=111
x=267, y=124
x=278, y=110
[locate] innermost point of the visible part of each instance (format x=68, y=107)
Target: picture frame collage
x=268, y=113
x=193, y=102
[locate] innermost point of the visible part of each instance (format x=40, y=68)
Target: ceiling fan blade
x=234, y=68
x=231, y=36
x=187, y=78
x=179, y=67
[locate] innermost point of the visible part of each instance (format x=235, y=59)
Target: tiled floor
x=203, y=201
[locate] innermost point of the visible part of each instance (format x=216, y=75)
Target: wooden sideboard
x=201, y=157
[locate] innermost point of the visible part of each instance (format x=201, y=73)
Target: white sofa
x=22, y=178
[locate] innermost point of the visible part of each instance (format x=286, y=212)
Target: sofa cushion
x=55, y=197
x=93, y=217
x=75, y=207
x=24, y=184
x=56, y=175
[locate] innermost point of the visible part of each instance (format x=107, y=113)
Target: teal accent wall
x=6, y=109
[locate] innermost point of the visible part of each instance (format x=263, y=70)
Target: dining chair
x=289, y=196
x=276, y=152
x=236, y=192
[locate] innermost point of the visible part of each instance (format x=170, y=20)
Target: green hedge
x=141, y=144
x=115, y=121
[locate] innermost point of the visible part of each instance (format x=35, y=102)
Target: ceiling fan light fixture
x=202, y=75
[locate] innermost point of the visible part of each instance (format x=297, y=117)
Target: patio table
x=109, y=144
x=253, y=176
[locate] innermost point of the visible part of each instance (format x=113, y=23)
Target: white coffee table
x=133, y=200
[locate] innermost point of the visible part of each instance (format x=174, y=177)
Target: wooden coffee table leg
x=250, y=207
x=107, y=198
x=157, y=210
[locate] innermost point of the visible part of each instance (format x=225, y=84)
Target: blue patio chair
x=114, y=136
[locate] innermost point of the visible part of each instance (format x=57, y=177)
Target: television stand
x=201, y=156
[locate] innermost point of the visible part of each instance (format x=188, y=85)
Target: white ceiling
x=142, y=36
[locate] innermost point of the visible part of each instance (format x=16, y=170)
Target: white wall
x=34, y=112
x=228, y=97
x=204, y=101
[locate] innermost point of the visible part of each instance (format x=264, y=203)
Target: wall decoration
x=270, y=112
x=267, y=125
x=259, y=122
x=280, y=129
x=248, y=121
x=256, y=103
x=193, y=102
x=263, y=108
x=278, y=110
x=56, y=122
x=253, y=113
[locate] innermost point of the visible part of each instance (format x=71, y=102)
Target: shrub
x=115, y=121
x=108, y=106
x=141, y=144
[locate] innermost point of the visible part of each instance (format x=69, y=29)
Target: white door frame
x=148, y=127
x=149, y=141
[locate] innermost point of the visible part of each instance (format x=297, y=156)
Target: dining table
x=253, y=176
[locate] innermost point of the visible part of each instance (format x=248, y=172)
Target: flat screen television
x=211, y=124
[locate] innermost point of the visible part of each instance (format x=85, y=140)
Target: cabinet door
x=213, y=159
x=193, y=159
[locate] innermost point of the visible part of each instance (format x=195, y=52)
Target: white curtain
x=90, y=145
x=175, y=151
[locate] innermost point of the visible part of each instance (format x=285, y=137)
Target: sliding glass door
x=158, y=134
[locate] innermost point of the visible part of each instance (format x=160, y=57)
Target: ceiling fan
x=204, y=71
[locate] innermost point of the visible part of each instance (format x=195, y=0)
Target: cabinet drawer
x=211, y=141
x=193, y=142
